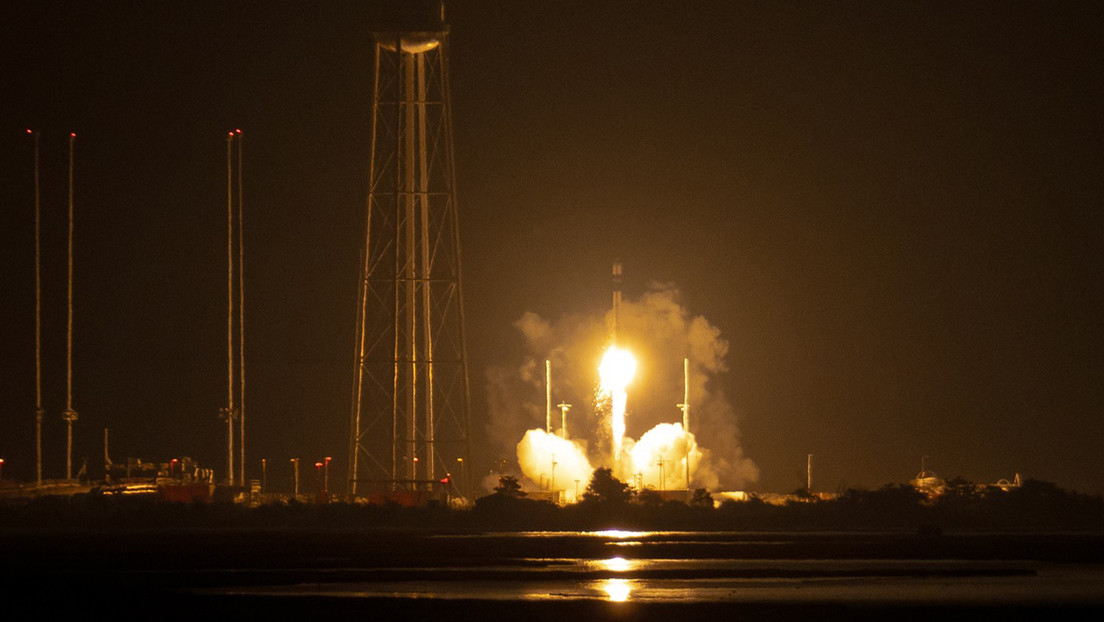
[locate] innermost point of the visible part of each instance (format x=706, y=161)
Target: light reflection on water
x=1061, y=585
x=622, y=537
x=615, y=564
x=618, y=590
x=703, y=568
x=619, y=534
x=1066, y=587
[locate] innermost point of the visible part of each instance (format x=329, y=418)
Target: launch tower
x=410, y=406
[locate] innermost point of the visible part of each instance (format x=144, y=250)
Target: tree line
x=607, y=503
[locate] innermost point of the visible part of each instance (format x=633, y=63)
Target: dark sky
x=891, y=211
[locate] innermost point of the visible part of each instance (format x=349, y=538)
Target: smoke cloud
x=660, y=333
x=553, y=463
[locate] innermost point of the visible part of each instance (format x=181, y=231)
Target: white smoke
x=659, y=458
x=660, y=333
x=552, y=463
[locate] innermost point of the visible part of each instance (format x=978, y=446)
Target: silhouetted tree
x=701, y=499
x=508, y=486
x=649, y=497
x=803, y=494
x=604, y=487
x=959, y=489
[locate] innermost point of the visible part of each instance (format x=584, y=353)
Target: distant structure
x=232, y=412
x=39, y=411
x=616, y=286
x=927, y=482
x=69, y=415
x=410, y=407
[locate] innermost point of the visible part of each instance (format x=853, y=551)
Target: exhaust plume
x=659, y=332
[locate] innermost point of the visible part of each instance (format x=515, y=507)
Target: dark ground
x=193, y=574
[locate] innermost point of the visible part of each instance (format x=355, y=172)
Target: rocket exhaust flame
x=615, y=373
x=667, y=456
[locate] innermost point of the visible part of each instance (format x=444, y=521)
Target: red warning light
x=72, y=134
x=237, y=131
x=29, y=131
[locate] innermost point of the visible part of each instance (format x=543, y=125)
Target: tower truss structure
x=410, y=405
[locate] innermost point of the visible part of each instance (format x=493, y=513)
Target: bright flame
x=617, y=368
x=615, y=373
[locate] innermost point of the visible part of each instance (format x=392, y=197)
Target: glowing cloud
x=661, y=455
x=662, y=332
x=538, y=450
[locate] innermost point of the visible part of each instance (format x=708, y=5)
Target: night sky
x=892, y=212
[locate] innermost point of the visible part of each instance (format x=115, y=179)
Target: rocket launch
x=616, y=301
x=615, y=373
x=663, y=458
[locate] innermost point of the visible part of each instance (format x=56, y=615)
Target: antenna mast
x=70, y=415
x=685, y=406
x=548, y=396
x=229, y=413
x=241, y=312
x=39, y=412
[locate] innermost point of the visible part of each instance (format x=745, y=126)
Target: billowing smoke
x=660, y=333
x=553, y=463
x=659, y=458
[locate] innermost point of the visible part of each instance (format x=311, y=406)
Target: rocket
x=616, y=299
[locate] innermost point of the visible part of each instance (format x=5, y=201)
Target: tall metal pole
x=398, y=403
x=39, y=412
x=69, y=415
x=295, y=474
x=465, y=406
x=241, y=312
x=409, y=273
x=548, y=396
x=426, y=270
x=358, y=384
x=809, y=473
x=229, y=309
x=685, y=406
x=356, y=429
x=107, y=454
x=564, y=407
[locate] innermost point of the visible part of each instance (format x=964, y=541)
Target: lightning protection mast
x=410, y=403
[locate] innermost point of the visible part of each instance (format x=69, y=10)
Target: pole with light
x=564, y=407
x=295, y=466
x=326, y=474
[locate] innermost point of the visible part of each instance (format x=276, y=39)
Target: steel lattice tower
x=410, y=410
